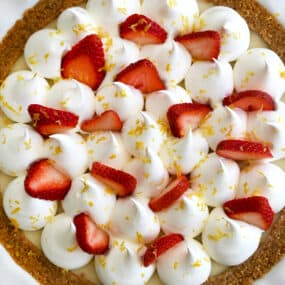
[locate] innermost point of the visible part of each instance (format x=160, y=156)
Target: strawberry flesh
x=171, y=193
x=142, y=75
x=182, y=116
x=49, y=121
x=85, y=62
x=204, y=45
x=243, y=150
x=89, y=236
x=250, y=100
x=142, y=30
x=160, y=246
x=46, y=181
x=107, y=121
x=254, y=210
x=122, y=183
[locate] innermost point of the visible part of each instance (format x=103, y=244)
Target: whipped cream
x=43, y=52
x=119, y=97
x=209, y=82
x=227, y=241
x=260, y=69
x=58, y=242
x=187, y=263
x=122, y=265
x=235, y=34
x=25, y=212
x=20, y=145
x=18, y=91
x=216, y=179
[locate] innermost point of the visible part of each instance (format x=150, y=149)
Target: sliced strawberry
x=250, y=100
x=142, y=75
x=46, y=181
x=160, y=246
x=122, y=183
x=107, y=121
x=170, y=194
x=89, y=236
x=142, y=30
x=202, y=45
x=254, y=210
x=182, y=116
x=242, y=150
x=49, y=121
x=85, y=62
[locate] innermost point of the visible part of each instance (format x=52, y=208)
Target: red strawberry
x=250, y=100
x=49, y=121
x=85, y=62
x=172, y=192
x=253, y=210
x=122, y=183
x=107, y=121
x=142, y=30
x=202, y=45
x=185, y=115
x=142, y=75
x=89, y=236
x=46, y=181
x=160, y=246
x=242, y=150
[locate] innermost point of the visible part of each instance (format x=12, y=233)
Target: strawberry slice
x=85, y=62
x=122, y=183
x=142, y=30
x=250, y=100
x=107, y=121
x=142, y=75
x=49, y=121
x=182, y=116
x=160, y=246
x=89, y=236
x=170, y=194
x=254, y=210
x=202, y=45
x=46, y=181
x=242, y=150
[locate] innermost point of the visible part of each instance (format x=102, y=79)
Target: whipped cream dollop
x=209, y=82
x=263, y=179
x=260, y=69
x=216, y=179
x=227, y=241
x=234, y=31
x=224, y=123
x=25, y=212
x=186, y=216
x=119, y=97
x=150, y=173
x=73, y=96
x=181, y=155
x=165, y=58
x=122, y=264
x=89, y=195
x=139, y=132
x=43, y=52
x=20, y=145
x=69, y=151
x=18, y=91
x=58, y=242
x=132, y=219
x=107, y=147
x=187, y=263
x=177, y=17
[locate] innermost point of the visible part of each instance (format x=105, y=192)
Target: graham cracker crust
x=29, y=257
